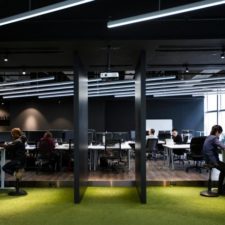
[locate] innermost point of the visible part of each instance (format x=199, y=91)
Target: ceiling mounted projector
x=109, y=75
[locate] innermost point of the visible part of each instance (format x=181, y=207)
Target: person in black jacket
x=17, y=150
x=176, y=137
x=210, y=151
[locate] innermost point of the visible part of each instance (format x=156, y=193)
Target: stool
x=18, y=191
x=209, y=192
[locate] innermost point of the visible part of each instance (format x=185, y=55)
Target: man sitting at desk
x=176, y=137
x=17, y=150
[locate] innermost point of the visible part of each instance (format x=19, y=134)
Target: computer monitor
x=5, y=136
x=164, y=134
x=68, y=136
x=98, y=137
x=34, y=136
x=122, y=136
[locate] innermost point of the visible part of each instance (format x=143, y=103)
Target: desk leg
x=90, y=159
x=2, y=172
x=128, y=158
x=95, y=161
x=172, y=161
x=167, y=151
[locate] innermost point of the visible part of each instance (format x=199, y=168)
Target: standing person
x=18, y=153
x=176, y=137
x=210, y=151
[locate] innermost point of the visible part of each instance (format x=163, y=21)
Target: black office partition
x=140, y=124
x=80, y=129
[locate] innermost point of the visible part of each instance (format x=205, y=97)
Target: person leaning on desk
x=210, y=151
x=18, y=153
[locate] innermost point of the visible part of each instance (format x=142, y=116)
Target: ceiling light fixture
x=222, y=55
x=36, y=86
x=37, y=90
x=26, y=81
x=42, y=11
x=165, y=12
x=37, y=94
x=55, y=96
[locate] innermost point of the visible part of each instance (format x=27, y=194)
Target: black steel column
x=140, y=127
x=80, y=129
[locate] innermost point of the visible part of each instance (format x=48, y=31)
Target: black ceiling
x=89, y=21
x=194, y=39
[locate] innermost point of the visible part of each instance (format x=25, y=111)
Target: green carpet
x=112, y=206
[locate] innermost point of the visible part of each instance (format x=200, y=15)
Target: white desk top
x=124, y=146
x=176, y=146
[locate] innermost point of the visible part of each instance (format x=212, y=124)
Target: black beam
x=140, y=124
x=80, y=130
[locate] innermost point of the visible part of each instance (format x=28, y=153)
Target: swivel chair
x=196, y=154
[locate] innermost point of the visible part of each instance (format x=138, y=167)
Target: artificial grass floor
x=112, y=206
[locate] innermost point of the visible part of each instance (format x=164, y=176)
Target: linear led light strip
x=130, y=81
x=181, y=93
x=65, y=95
x=110, y=91
x=183, y=89
x=36, y=94
x=106, y=93
x=55, y=96
x=42, y=11
x=27, y=81
x=43, y=85
x=38, y=90
x=36, y=86
x=187, y=82
x=164, y=13
x=51, y=93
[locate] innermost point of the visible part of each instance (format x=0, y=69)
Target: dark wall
x=96, y=114
x=42, y=114
x=106, y=115
x=120, y=115
x=186, y=113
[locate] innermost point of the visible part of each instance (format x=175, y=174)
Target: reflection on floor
x=156, y=171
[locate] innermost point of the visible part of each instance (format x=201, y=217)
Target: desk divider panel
x=80, y=130
x=140, y=126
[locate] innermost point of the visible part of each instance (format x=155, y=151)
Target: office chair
x=113, y=158
x=196, y=154
x=44, y=159
x=152, y=150
x=185, y=139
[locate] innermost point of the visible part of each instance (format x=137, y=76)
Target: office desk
x=169, y=150
x=96, y=149
x=2, y=150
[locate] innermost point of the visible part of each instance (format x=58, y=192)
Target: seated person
x=150, y=134
x=18, y=153
x=47, y=149
x=176, y=137
x=210, y=151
